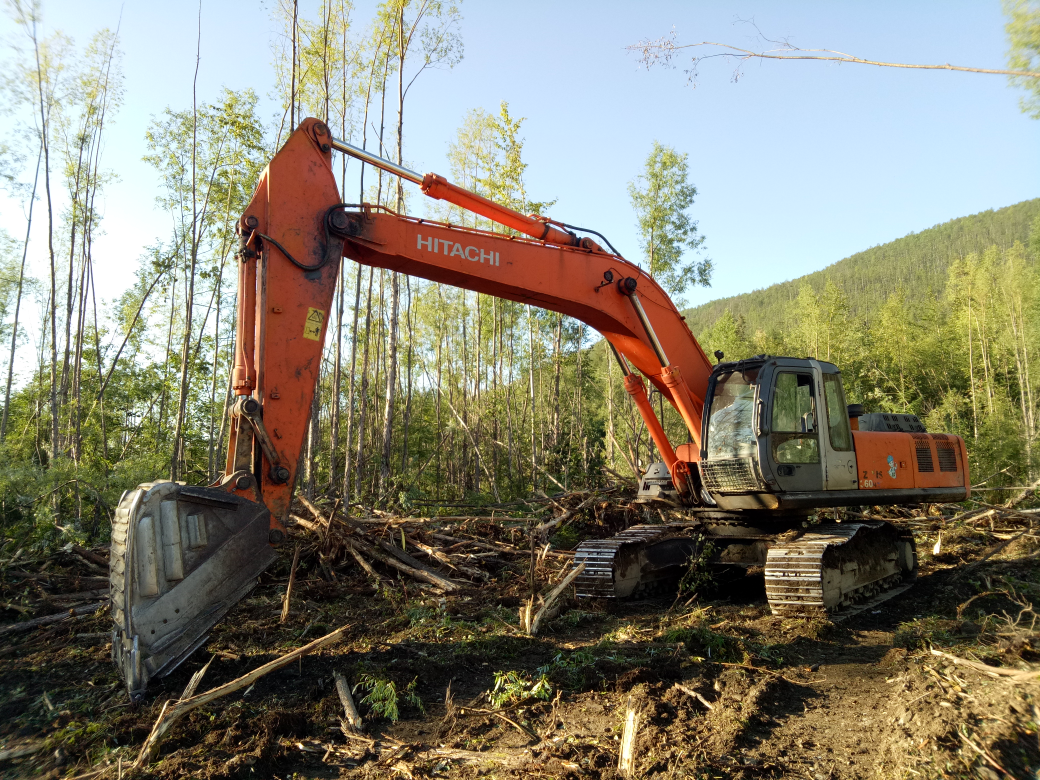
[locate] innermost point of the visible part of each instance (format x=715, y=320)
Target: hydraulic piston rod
x=441, y=189
x=650, y=333
x=378, y=162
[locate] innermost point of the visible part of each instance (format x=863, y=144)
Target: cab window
x=794, y=429
x=730, y=422
x=837, y=413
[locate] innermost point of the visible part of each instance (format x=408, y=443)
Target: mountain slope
x=917, y=262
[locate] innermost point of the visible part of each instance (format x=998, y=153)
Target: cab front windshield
x=730, y=424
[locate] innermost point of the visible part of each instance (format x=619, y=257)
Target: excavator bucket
x=181, y=557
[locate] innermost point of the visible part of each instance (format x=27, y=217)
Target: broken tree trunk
x=288, y=588
x=353, y=718
x=627, y=756
x=551, y=607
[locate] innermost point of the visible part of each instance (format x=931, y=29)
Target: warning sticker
x=312, y=327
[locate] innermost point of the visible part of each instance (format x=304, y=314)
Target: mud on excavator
x=772, y=437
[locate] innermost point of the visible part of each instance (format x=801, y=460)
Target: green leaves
x=1023, y=32
x=662, y=196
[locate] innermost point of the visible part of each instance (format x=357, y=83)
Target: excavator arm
x=183, y=556
x=294, y=231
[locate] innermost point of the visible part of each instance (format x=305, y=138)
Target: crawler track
x=839, y=568
x=633, y=561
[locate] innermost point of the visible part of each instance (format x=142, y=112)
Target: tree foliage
x=662, y=196
x=1023, y=32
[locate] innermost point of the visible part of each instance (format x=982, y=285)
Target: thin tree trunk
x=364, y=384
x=971, y=374
x=166, y=361
x=408, y=369
x=476, y=399
x=211, y=464
x=440, y=370
x=530, y=368
x=610, y=409
x=97, y=354
x=351, y=398
x=557, y=369
x=45, y=141
x=313, y=434
x=196, y=233
x=337, y=377
x=509, y=400
x=391, y=380
x=465, y=392
x=18, y=302
x=292, y=82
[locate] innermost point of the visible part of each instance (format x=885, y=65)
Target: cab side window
x=837, y=413
x=794, y=429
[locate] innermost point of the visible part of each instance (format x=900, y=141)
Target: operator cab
x=775, y=426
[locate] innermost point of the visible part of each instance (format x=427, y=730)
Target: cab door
x=793, y=446
x=839, y=455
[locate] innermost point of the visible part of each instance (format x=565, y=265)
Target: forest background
x=429, y=395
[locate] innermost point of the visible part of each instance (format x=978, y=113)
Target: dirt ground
x=721, y=688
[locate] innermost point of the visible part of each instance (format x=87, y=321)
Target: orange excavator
x=771, y=439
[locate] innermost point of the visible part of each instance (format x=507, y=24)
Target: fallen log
x=363, y=563
x=549, y=524
x=29, y=625
x=22, y=752
x=419, y=574
x=90, y=555
x=1026, y=493
x=1012, y=675
x=406, y=559
x=304, y=523
x=433, y=552
x=169, y=716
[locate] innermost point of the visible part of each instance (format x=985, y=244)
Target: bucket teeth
x=181, y=557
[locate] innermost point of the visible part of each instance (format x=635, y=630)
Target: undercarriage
x=810, y=570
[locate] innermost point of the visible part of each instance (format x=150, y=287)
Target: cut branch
x=170, y=715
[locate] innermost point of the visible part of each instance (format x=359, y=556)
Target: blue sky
x=797, y=165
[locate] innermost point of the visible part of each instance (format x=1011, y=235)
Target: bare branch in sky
x=663, y=50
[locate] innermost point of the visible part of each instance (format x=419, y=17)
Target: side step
x=181, y=558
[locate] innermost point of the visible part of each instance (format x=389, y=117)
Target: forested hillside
x=917, y=263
